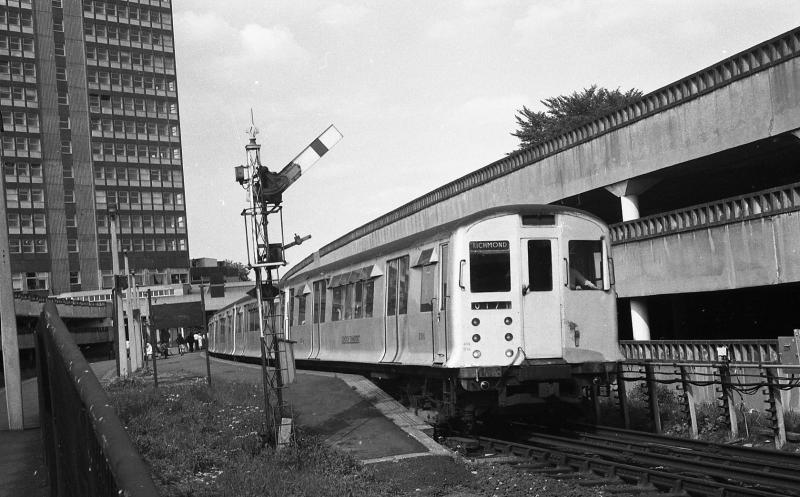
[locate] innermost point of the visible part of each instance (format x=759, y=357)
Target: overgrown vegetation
x=206, y=442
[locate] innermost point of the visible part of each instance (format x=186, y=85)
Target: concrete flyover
x=89, y=322
x=726, y=131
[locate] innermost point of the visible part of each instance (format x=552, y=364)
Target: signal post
x=264, y=196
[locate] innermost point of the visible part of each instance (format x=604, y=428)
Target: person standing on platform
x=190, y=342
x=181, y=344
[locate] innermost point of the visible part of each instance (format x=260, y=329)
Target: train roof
x=524, y=209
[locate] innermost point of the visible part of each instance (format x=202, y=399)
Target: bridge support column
x=628, y=192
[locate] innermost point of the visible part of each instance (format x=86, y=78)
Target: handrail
x=760, y=204
x=87, y=450
x=743, y=64
x=702, y=351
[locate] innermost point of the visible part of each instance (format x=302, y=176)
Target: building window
x=27, y=282
x=66, y=147
x=69, y=196
x=72, y=245
x=70, y=221
x=61, y=73
x=74, y=277
x=40, y=246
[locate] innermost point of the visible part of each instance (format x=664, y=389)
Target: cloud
x=274, y=44
x=339, y=14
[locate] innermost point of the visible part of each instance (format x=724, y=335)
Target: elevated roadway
x=726, y=131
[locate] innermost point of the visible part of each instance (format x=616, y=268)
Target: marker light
x=476, y=354
x=509, y=337
x=508, y=320
x=476, y=338
x=509, y=352
x=476, y=321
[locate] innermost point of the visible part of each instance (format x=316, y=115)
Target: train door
x=439, y=310
x=541, y=300
x=396, y=306
x=318, y=316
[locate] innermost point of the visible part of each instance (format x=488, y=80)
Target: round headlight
x=476, y=354
x=476, y=338
x=508, y=320
x=509, y=337
x=476, y=321
x=509, y=353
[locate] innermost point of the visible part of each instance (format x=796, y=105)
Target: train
x=511, y=305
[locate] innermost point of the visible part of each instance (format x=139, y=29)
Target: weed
x=203, y=442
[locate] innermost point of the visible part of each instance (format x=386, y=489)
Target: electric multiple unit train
x=513, y=304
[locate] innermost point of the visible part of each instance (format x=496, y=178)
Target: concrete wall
x=757, y=252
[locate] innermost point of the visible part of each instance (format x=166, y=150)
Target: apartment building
x=89, y=104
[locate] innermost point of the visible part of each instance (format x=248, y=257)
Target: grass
x=203, y=442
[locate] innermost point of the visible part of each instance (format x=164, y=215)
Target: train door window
x=301, y=309
x=291, y=307
x=585, y=265
x=428, y=286
x=391, y=287
x=402, y=290
x=540, y=266
x=489, y=266
x=320, y=293
x=397, y=286
x=443, y=262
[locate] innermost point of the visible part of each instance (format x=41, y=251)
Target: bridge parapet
x=734, y=209
x=701, y=351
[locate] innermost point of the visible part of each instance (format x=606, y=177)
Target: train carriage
x=510, y=304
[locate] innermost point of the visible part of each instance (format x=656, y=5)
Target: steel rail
x=662, y=478
x=772, y=458
x=719, y=467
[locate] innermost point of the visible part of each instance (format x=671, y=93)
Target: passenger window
x=586, y=265
x=489, y=266
x=540, y=266
x=397, y=286
x=336, y=305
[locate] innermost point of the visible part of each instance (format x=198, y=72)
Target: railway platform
x=347, y=411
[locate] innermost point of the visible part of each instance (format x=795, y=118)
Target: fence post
x=688, y=398
x=775, y=408
x=652, y=397
x=728, y=405
x=622, y=398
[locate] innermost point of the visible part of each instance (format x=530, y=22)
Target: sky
x=423, y=92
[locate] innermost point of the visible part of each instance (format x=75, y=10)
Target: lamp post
x=8, y=326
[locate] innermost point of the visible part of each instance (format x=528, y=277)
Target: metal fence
x=87, y=451
x=701, y=351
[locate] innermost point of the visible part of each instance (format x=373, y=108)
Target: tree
x=235, y=269
x=567, y=112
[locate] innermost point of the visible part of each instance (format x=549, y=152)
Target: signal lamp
x=508, y=320
x=476, y=338
x=509, y=337
x=476, y=354
x=509, y=352
x=476, y=321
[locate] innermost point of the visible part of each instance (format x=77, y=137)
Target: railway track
x=603, y=456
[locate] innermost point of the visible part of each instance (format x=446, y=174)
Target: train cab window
x=585, y=265
x=369, y=290
x=540, y=266
x=489, y=266
x=337, y=312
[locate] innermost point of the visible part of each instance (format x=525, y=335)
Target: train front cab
x=535, y=305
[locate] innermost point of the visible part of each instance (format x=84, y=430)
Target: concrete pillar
x=628, y=193
x=8, y=327
x=640, y=320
